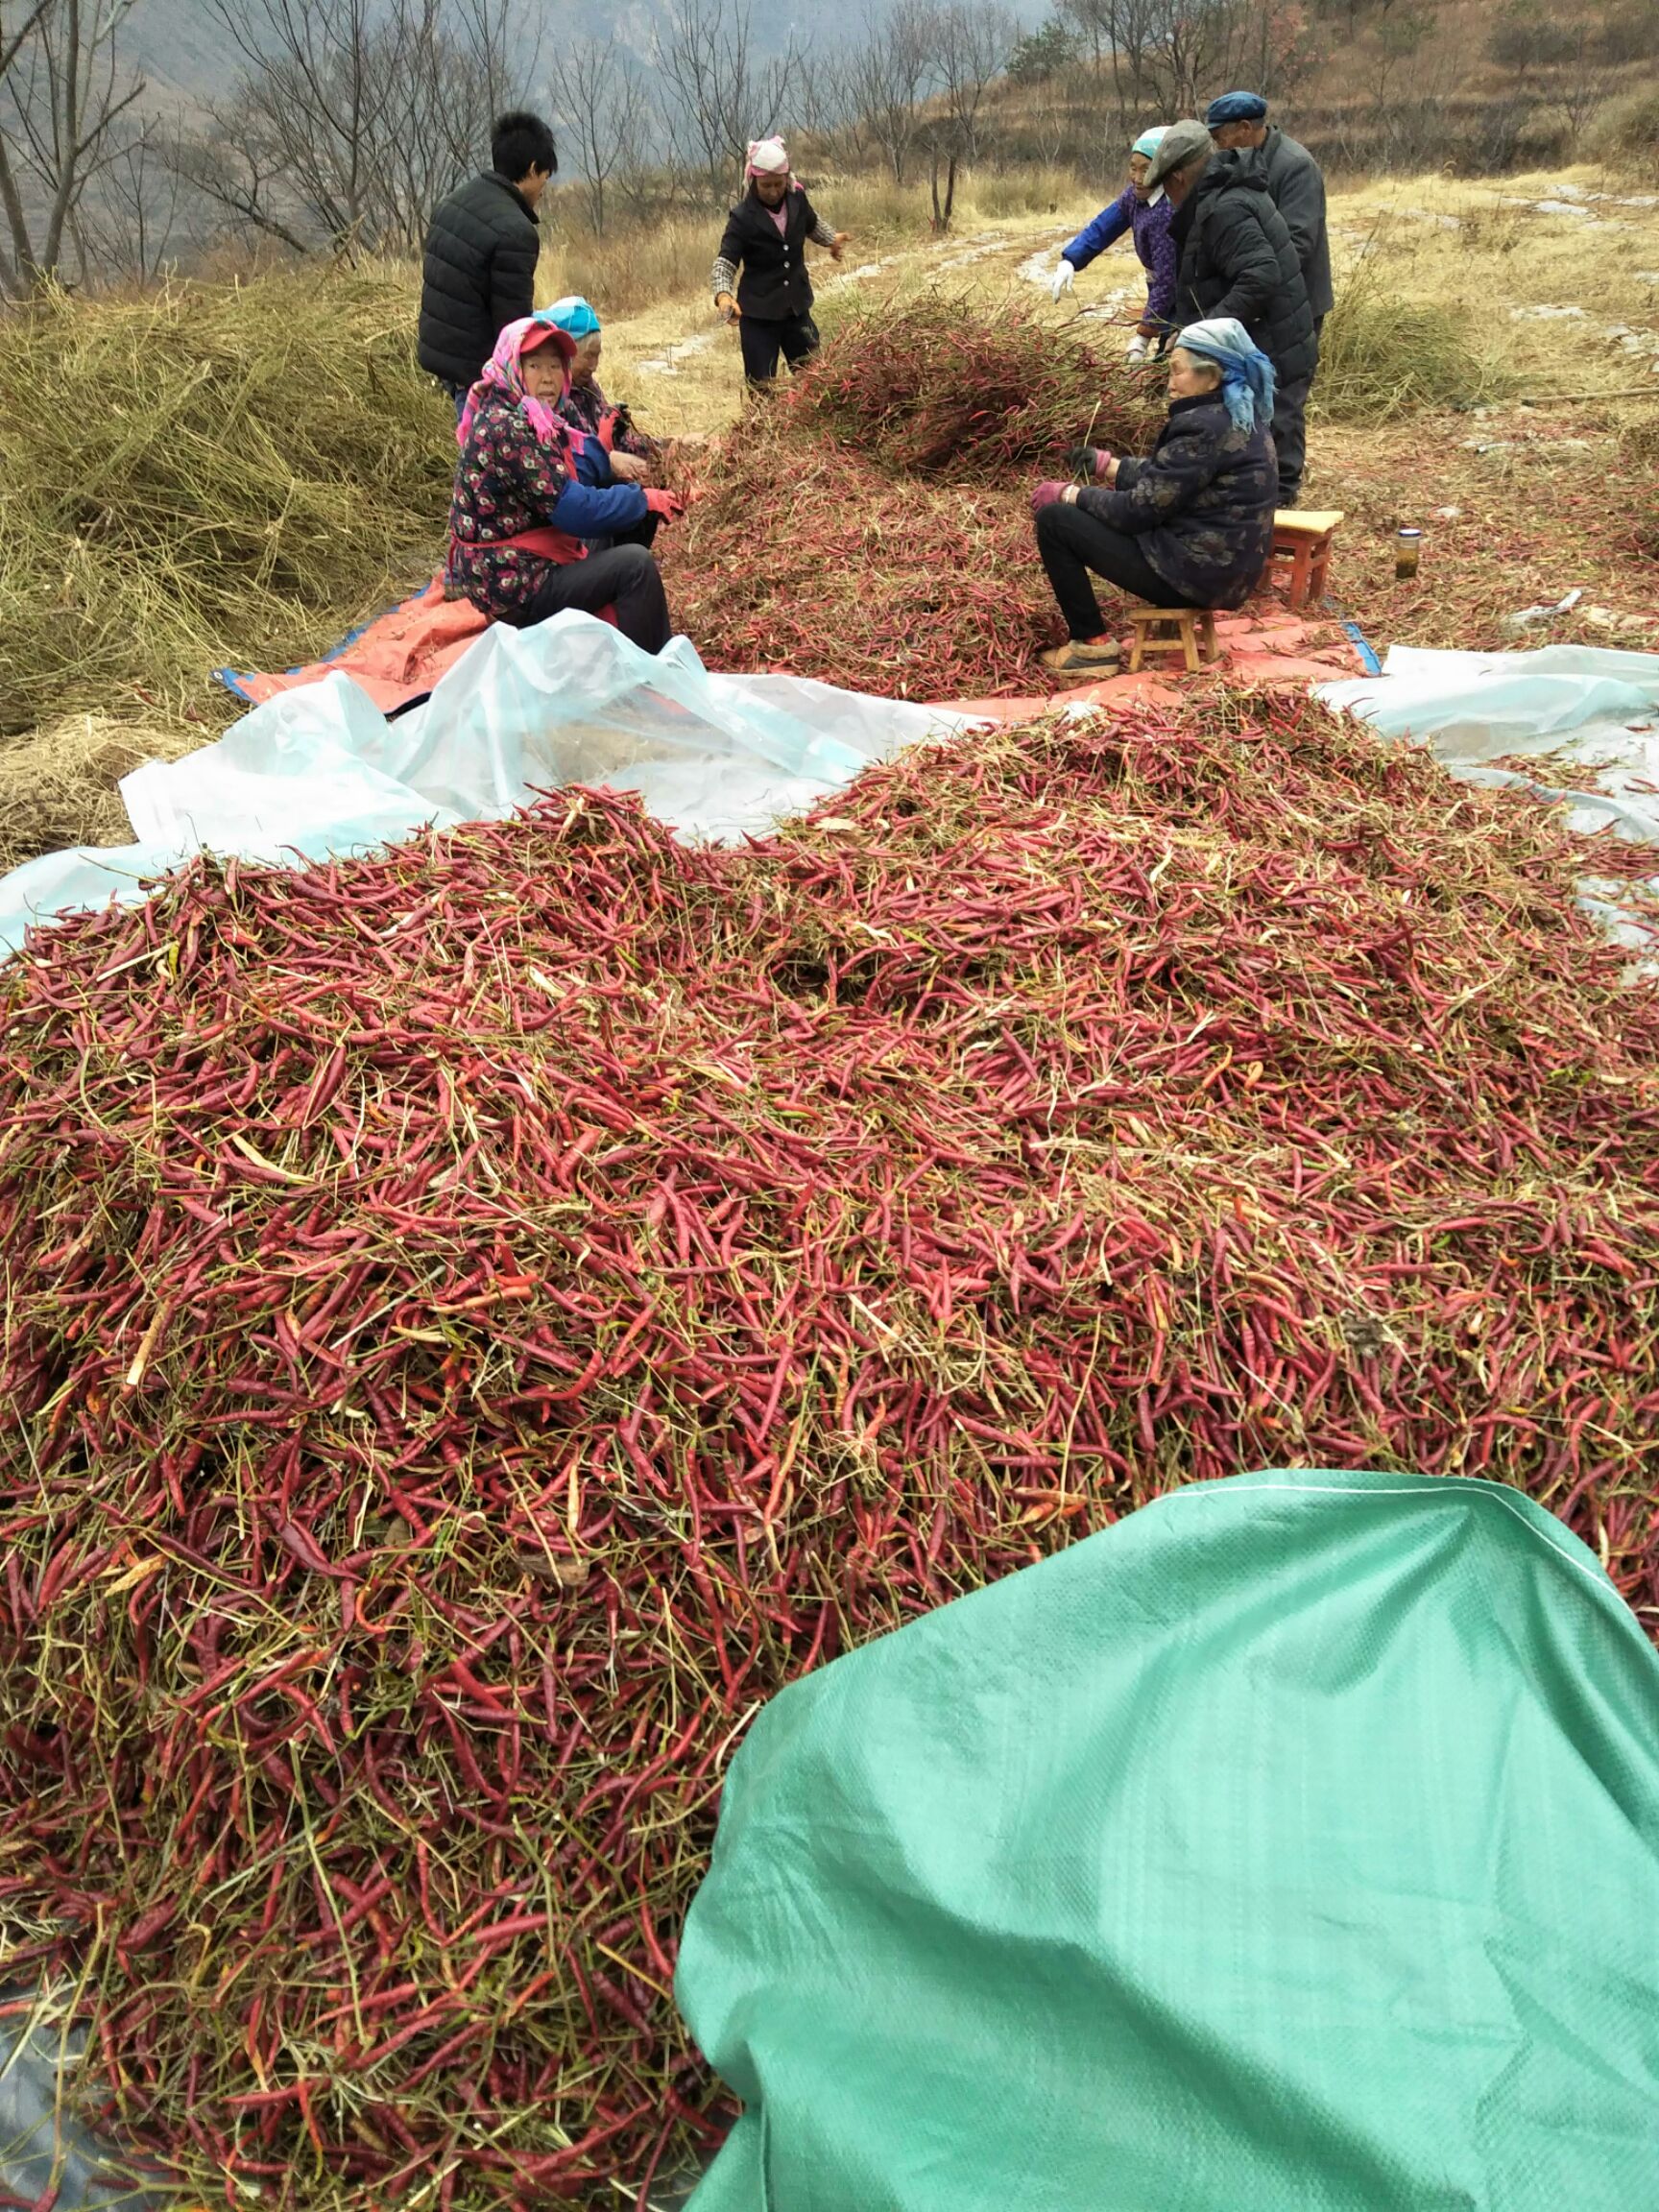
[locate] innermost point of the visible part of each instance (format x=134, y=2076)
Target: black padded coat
x=1239, y=258
x=479, y=274
x=774, y=284
x=1200, y=506
x=1297, y=183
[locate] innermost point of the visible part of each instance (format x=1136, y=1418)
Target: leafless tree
x=604, y=112
x=351, y=118
x=132, y=222
x=973, y=41
x=827, y=100
x=894, y=73
x=64, y=90
x=1586, y=80
x=719, y=92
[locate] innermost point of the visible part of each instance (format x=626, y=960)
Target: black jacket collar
x=495, y=176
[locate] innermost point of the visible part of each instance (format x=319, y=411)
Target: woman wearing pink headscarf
x=520, y=518
x=766, y=237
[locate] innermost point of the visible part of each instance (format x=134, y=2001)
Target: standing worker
x=766, y=237
x=1144, y=211
x=1237, y=258
x=1239, y=124
x=482, y=246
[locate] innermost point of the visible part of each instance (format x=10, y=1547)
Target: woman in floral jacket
x=520, y=515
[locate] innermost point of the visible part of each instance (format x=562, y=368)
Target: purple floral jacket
x=1148, y=224
x=584, y=407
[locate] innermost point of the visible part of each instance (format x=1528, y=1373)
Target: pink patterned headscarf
x=767, y=157
x=504, y=372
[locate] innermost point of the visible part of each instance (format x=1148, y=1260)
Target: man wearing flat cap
x=1239, y=123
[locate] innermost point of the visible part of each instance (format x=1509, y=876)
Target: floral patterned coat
x=507, y=482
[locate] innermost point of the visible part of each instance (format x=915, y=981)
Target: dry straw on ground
x=206, y=475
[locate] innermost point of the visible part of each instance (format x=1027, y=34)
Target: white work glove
x=1138, y=346
x=1065, y=277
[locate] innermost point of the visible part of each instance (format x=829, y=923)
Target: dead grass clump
x=1381, y=356
x=209, y=474
x=59, y=785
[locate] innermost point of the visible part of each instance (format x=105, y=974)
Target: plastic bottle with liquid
x=1408, y=546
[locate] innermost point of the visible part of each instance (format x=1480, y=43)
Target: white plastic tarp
x=320, y=771
x=1588, y=704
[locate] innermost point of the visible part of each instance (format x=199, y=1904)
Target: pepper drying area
x=549, y=1240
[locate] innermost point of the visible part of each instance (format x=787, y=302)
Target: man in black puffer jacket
x=1239, y=258
x=482, y=247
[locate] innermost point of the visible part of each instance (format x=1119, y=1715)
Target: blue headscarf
x=573, y=315
x=1246, y=373
x=1236, y=107
x=1149, y=141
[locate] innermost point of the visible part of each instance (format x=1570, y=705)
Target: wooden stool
x=1303, y=538
x=1189, y=631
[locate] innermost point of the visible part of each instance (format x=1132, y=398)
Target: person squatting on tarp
x=611, y=450
x=766, y=237
x=1238, y=125
x=1238, y=260
x=1144, y=211
x=482, y=244
x=520, y=511
x=1189, y=526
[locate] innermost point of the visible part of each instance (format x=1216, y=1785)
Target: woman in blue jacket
x=1145, y=213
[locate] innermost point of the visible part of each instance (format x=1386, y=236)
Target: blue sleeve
x=1107, y=228
x=587, y=511
x=592, y=462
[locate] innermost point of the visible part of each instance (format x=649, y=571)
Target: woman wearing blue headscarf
x=608, y=449
x=1145, y=213
x=1189, y=526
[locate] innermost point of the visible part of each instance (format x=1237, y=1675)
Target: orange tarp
x=396, y=659
x=400, y=657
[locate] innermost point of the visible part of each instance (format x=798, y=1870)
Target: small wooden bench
x=1189, y=631
x=1302, y=535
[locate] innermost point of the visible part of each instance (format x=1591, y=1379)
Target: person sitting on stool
x=520, y=518
x=1189, y=526
x=766, y=237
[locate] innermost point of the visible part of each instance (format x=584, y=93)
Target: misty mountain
x=177, y=45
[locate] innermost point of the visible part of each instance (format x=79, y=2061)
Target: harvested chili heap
x=872, y=525
x=478, y=1320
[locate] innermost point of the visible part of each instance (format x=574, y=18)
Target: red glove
x=608, y=429
x=668, y=504
x=1047, y=494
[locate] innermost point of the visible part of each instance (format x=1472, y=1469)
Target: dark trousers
x=795, y=337
x=625, y=579
x=458, y=393
x=1290, y=437
x=1071, y=542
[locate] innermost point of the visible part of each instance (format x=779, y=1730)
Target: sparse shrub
x=1381, y=356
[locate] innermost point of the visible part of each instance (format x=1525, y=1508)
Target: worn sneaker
x=1079, y=658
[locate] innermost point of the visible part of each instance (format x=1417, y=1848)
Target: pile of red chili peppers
x=871, y=527
x=479, y=1319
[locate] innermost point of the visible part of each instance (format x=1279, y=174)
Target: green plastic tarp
x=1291, y=1846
